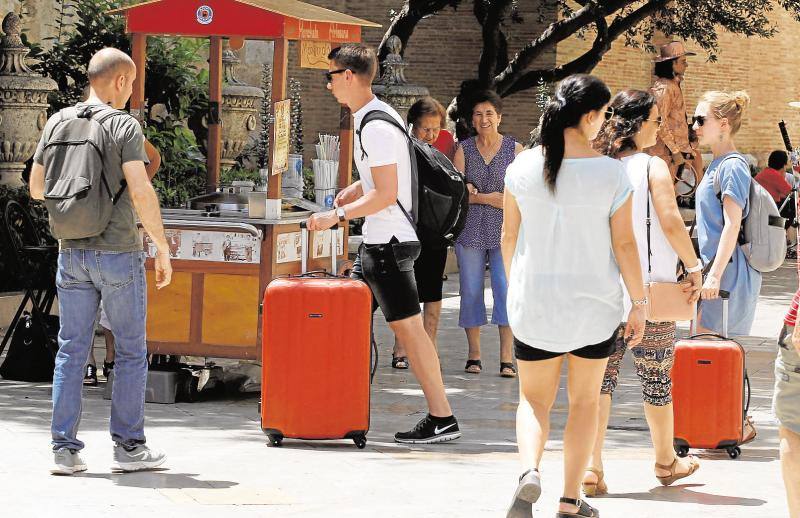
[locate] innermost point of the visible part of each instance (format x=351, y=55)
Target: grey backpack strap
x=100, y=116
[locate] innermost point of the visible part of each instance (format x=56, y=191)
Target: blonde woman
x=721, y=205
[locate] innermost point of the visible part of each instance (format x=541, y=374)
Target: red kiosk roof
x=251, y=19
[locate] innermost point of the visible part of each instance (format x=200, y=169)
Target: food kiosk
x=222, y=258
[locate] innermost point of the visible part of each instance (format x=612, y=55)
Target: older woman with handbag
x=662, y=240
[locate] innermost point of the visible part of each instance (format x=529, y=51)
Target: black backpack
x=438, y=191
x=31, y=354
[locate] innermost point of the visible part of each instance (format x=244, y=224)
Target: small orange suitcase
x=708, y=391
x=316, y=356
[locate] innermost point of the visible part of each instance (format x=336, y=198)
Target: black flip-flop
x=398, y=360
x=510, y=366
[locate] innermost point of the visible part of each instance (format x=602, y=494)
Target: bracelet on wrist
x=639, y=302
x=695, y=269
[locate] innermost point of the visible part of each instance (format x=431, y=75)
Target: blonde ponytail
x=728, y=105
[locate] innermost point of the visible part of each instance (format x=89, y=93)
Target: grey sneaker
x=67, y=462
x=139, y=459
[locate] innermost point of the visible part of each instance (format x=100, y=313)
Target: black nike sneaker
x=431, y=430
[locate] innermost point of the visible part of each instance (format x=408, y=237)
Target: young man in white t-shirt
x=386, y=258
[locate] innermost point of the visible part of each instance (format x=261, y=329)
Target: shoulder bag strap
x=648, y=222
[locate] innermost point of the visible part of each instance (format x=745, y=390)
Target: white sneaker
x=67, y=462
x=139, y=459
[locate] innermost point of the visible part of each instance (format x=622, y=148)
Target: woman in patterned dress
x=483, y=159
x=633, y=126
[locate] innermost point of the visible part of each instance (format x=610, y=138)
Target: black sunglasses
x=329, y=75
x=699, y=120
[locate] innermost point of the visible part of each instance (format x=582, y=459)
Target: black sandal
x=584, y=510
x=473, y=363
x=398, y=360
x=510, y=366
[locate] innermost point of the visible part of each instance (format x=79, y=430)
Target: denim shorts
x=388, y=270
x=786, y=401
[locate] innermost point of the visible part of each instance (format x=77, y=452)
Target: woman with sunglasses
x=634, y=127
x=721, y=204
x=567, y=235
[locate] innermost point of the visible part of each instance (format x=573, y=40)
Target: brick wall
x=443, y=51
x=765, y=68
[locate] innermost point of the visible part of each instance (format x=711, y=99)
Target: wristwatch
x=639, y=302
x=695, y=269
x=341, y=214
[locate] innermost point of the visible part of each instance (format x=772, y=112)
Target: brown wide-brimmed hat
x=672, y=50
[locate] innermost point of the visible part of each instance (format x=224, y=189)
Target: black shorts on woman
x=600, y=351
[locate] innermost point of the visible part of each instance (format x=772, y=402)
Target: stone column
x=23, y=104
x=392, y=87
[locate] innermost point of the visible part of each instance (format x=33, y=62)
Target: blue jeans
x=85, y=277
x=471, y=271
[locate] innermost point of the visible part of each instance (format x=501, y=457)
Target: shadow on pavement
x=159, y=480
x=684, y=494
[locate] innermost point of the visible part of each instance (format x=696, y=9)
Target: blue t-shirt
x=742, y=281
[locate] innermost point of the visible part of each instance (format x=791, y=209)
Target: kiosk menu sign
x=280, y=157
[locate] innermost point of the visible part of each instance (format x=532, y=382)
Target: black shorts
x=599, y=351
x=388, y=270
x=429, y=273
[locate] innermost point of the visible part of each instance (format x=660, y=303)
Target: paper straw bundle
x=326, y=169
x=326, y=173
x=328, y=147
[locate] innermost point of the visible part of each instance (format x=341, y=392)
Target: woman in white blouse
x=567, y=236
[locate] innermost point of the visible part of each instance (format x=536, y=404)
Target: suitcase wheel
x=682, y=451
x=275, y=440
x=361, y=441
x=734, y=452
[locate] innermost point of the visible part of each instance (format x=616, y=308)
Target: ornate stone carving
x=23, y=103
x=240, y=104
x=393, y=87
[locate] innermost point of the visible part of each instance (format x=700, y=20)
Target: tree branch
x=584, y=63
x=405, y=21
x=494, y=41
x=557, y=31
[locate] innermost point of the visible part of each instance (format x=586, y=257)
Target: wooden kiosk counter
x=222, y=261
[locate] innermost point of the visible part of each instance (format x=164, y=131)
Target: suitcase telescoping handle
x=304, y=239
x=725, y=296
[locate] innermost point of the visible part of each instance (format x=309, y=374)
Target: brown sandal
x=595, y=488
x=672, y=477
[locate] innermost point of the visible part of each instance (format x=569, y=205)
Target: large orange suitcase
x=316, y=356
x=708, y=391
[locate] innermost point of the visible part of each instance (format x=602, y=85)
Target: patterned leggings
x=653, y=359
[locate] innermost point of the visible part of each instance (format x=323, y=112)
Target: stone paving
x=220, y=465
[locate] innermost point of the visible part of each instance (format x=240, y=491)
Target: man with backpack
x=385, y=196
x=89, y=169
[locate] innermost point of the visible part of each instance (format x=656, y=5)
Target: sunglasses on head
x=699, y=120
x=329, y=75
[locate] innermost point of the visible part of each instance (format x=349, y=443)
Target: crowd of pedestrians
x=569, y=230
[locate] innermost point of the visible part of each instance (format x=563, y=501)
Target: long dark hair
x=574, y=97
x=631, y=108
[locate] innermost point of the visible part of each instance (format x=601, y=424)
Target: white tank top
x=664, y=259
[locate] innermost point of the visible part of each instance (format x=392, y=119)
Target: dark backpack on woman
x=438, y=191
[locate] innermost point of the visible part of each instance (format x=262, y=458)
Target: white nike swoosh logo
x=437, y=431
